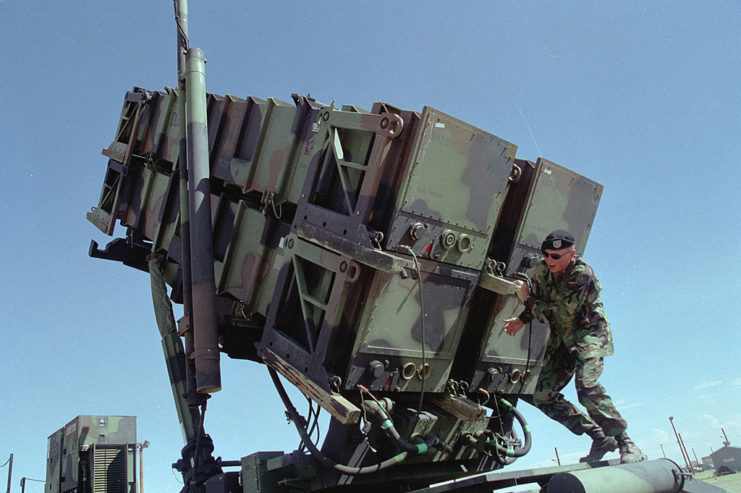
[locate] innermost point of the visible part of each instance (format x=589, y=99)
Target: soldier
x=566, y=296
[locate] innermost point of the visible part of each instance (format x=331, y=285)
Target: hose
x=505, y=453
x=376, y=410
x=300, y=424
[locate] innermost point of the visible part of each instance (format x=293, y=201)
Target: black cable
x=422, y=307
x=527, y=361
x=524, y=277
x=504, y=453
x=300, y=423
x=313, y=423
x=379, y=411
x=181, y=31
x=198, y=436
x=508, y=456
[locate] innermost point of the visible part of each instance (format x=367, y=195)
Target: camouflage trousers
x=560, y=365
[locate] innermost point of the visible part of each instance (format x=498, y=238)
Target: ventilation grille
x=109, y=470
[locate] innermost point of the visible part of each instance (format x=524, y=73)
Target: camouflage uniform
x=580, y=338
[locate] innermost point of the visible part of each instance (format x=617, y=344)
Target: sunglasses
x=555, y=256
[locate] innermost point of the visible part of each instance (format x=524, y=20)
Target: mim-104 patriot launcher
x=369, y=257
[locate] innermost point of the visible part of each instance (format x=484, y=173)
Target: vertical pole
x=194, y=400
x=558, y=460
x=684, y=452
x=10, y=471
x=181, y=17
x=686, y=455
x=204, y=323
x=679, y=442
x=662, y=450
x=141, y=467
x=140, y=447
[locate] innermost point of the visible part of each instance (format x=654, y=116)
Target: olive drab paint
x=351, y=249
x=205, y=338
x=92, y=453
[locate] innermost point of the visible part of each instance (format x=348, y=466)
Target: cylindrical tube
x=208, y=374
x=181, y=17
x=656, y=476
x=190, y=367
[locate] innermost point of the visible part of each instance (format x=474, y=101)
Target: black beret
x=557, y=240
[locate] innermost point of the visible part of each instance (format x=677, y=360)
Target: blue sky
x=642, y=97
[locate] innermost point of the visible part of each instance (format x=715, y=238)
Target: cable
x=198, y=436
x=313, y=423
x=504, y=461
x=503, y=454
x=527, y=361
x=422, y=307
x=300, y=423
x=181, y=30
x=524, y=277
x=379, y=411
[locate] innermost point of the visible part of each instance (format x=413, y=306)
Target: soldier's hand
x=522, y=291
x=513, y=325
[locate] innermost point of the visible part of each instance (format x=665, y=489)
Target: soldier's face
x=556, y=265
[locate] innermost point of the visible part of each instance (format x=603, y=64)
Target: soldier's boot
x=629, y=451
x=601, y=445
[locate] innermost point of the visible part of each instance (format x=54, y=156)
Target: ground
x=731, y=482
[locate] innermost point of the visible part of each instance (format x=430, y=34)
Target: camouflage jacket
x=571, y=306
